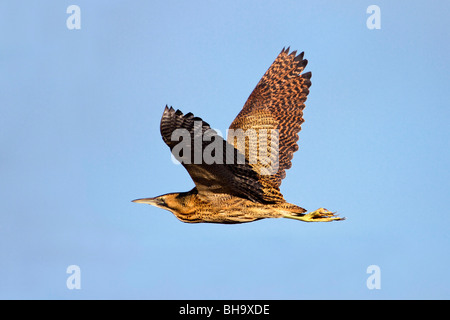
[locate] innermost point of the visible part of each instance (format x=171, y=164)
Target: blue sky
x=79, y=139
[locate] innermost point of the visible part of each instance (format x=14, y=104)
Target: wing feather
x=277, y=103
x=228, y=173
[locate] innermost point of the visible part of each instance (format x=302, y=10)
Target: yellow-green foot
x=320, y=215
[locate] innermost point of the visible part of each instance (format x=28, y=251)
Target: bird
x=238, y=180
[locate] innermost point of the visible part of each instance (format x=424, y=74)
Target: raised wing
x=214, y=165
x=277, y=104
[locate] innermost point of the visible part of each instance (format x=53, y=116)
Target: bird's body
x=221, y=208
x=238, y=180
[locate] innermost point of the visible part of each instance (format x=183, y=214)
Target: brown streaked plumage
x=233, y=188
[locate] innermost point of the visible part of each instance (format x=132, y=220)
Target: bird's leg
x=320, y=215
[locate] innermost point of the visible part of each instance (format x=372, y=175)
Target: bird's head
x=162, y=201
x=180, y=204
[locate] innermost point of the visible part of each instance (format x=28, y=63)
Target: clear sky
x=79, y=139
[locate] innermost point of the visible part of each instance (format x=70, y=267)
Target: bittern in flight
x=234, y=185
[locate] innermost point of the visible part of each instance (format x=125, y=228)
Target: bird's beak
x=145, y=200
x=157, y=202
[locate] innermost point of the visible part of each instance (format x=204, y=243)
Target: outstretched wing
x=214, y=165
x=276, y=103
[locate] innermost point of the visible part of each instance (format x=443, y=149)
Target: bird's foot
x=320, y=215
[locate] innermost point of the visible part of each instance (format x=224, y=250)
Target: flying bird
x=238, y=180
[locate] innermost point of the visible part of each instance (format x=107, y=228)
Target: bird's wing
x=214, y=165
x=276, y=104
